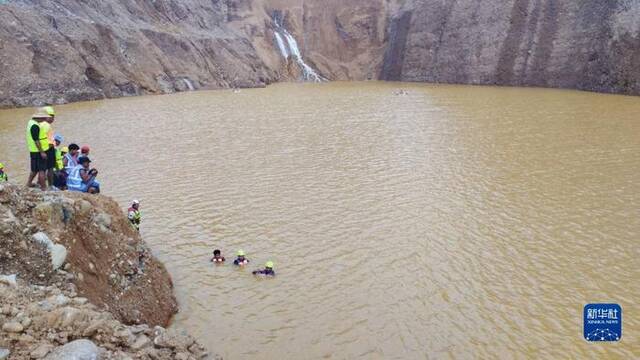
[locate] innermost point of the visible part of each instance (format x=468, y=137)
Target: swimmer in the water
x=268, y=270
x=217, y=257
x=241, y=260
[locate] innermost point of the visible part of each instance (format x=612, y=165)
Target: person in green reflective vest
x=134, y=214
x=38, y=146
x=3, y=175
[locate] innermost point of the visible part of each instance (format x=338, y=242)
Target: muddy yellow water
x=450, y=222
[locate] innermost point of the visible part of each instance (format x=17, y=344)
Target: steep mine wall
x=55, y=51
x=588, y=44
x=58, y=51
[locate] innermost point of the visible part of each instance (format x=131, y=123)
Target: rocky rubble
x=54, y=323
x=88, y=241
x=76, y=279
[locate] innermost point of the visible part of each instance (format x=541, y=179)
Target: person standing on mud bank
x=134, y=215
x=38, y=145
x=59, y=180
x=3, y=175
x=51, y=153
x=70, y=160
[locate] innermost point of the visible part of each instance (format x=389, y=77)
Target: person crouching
x=82, y=178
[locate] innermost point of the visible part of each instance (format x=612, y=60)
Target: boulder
x=80, y=301
x=12, y=327
x=183, y=356
x=174, y=340
x=137, y=329
x=66, y=316
x=26, y=339
x=75, y=350
x=26, y=322
x=140, y=343
x=43, y=239
x=94, y=327
x=46, y=211
x=83, y=207
x=58, y=300
x=41, y=351
x=9, y=280
x=58, y=256
x=103, y=220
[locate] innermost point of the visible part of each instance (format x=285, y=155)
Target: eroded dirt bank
x=81, y=272
x=67, y=50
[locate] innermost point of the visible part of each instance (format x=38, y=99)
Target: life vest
x=72, y=162
x=134, y=215
x=59, y=163
x=4, y=177
x=42, y=136
x=74, y=180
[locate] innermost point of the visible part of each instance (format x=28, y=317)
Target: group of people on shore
x=241, y=260
x=58, y=167
x=54, y=166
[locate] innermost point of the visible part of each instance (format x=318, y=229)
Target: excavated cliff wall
x=55, y=51
x=587, y=44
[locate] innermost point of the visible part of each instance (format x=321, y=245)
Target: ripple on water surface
x=453, y=222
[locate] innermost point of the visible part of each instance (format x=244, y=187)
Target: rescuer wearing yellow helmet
x=3, y=175
x=268, y=270
x=241, y=260
x=38, y=146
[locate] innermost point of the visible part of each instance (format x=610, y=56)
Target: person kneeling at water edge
x=241, y=260
x=82, y=178
x=268, y=270
x=217, y=257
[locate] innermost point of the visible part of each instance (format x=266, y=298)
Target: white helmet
x=136, y=202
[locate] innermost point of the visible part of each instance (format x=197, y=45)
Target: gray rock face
x=75, y=350
x=87, y=50
x=66, y=50
x=586, y=44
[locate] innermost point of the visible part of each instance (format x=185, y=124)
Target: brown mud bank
x=76, y=278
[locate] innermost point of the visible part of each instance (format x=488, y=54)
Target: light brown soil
x=107, y=260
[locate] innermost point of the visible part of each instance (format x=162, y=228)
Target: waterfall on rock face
x=291, y=49
x=189, y=84
x=281, y=45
